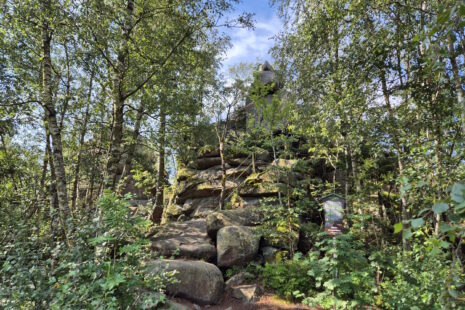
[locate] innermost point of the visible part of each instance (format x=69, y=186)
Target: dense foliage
x=102, y=98
x=104, y=266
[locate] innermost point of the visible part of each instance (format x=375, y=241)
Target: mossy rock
x=186, y=174
x=204, y=189
x=208, y=151
x=171, y=213
x=284, y=163
x=262, y=190
x=253, y=179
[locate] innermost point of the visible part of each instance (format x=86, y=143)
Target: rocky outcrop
x=187, y=239
x=193, y=228
x=237, y=217
x=197, y=281
x=236, y=245
x=247, y=293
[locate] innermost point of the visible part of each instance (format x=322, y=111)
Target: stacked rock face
x=199, y=186
x=193, y=229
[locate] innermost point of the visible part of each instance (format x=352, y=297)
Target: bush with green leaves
x=344, y=277
x=337, y=274
x=280, y=224
x=102, y=267
x=289, y=278
x=417, y=280
x=431, y=275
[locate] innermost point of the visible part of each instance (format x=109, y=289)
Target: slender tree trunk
x=119, y=96
x=53, y=196
x=395, y=138
x=157, y=209
x=54, y=130
x=44, y=169
x=457, y=80
x=223, y=171
x=132, y=146
x=68, y=86
x=354, y=163
x=81, y=145
x=116, y=136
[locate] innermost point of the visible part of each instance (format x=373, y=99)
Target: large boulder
x=262, y=189
x=197, y=207
x=247, y=293
x=236, y=217
x=209, y=153
x=246, y=162
x=187, y=239
x=171, y=213
x=212, y=173
x=207, y=162
x=236, y=245
x=197, y=281
x=204, y=189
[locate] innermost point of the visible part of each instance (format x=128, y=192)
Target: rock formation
x=192, y=228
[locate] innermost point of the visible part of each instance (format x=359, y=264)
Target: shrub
x=102, y=268
x=418, y=280
x=338, y=274
x=289, y=277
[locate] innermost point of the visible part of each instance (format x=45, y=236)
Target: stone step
x=187, y=239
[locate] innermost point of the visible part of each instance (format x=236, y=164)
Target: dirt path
x=267, y=301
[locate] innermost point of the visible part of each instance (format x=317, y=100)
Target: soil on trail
x=267, y=301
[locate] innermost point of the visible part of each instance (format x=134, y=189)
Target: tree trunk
x=395, y=138
x=157, y=210
x=119, y=96
x=132, y=147
x=116, y=135
x=354, y=163
x=55, y=132
x=53, y=196
x=223, y=175
x=68, y=86
x=81, y=144
x=457, y=81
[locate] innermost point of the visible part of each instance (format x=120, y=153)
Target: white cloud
x=250, y=45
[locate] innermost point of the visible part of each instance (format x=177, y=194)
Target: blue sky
x=254, y=44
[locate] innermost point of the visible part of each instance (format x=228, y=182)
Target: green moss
x=206, y=149
x=186, y=174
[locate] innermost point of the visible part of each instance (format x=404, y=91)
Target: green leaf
x=453, y=293
x=440, y=207
x=444, y=244
x=100, y=239
x=458, y=193
x=460, y=206
x=444, y=227
x=113, y=281
x=417, y=222
x=423, y=211
x=407, y=234
x=435, y=251
x=397, y=228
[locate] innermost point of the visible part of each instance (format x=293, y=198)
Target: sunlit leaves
x=440, y=207
x=418, y=222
